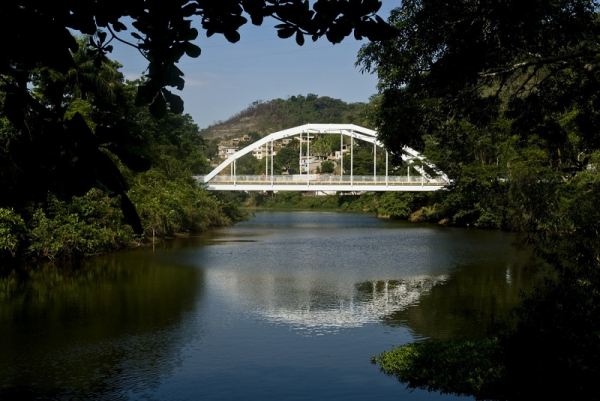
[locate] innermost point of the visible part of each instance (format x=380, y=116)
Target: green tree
x=164, y=33
x=505, y=94
x=60, y=225
x=287, y=158
x=71, y=136
x=396, y=205
x=327, y=167
x=87, y=79
x=469, y=62
x=87, y=225
x=250, y=165
x=12, y=232
x=325, y=145
x=74, y=152
x=362, y=162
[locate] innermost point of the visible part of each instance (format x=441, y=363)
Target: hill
x=264, y=118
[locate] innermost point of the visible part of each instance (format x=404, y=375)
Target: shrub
x=12, y=232
x=88, y=225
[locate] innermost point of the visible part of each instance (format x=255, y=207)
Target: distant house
x=314, y=161
x=263, y=151
x=258, y=153
x=304, y=140
x=226, y=151
x=344, y=151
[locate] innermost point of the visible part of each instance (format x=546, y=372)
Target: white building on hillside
x=263, y=151
x=226, y=151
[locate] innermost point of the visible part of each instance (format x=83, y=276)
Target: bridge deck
x=329, y=183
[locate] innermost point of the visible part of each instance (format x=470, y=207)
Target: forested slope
x=265, y=117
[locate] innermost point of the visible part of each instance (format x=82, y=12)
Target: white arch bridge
x=425, y=175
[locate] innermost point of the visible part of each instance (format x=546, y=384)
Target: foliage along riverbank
x=94, y=223
x=394, y=205
x=504, y=98
x=456, y=206
x=127, y=180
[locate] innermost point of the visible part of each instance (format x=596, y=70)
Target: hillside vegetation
x=266, y=117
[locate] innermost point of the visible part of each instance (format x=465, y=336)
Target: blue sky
x=227, y=77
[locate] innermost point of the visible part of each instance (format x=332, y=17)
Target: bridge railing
x=323, y=179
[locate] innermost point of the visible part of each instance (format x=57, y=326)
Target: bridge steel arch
x=408, y=155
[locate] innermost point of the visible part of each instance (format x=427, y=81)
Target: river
x=285, y=306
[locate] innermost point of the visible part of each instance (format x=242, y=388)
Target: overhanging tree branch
x=115, y=36
x=539, y=61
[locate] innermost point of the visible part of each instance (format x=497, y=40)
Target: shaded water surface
x=287, y=306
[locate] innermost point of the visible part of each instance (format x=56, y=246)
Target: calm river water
x=286, y=306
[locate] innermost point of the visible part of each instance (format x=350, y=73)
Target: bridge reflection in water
x=427, y=178
x=303, y=306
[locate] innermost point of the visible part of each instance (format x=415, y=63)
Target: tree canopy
x=471, y=61
x=67, y=135
x=504, y=96
x=163, y=33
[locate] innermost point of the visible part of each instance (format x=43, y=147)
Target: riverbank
x=414, y=207
x=94, y=224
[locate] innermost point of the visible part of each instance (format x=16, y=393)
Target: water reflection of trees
x=473, y=299
x=111, y=326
